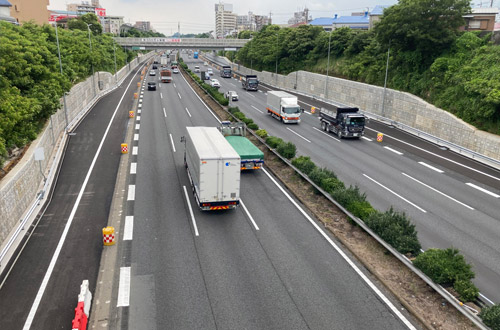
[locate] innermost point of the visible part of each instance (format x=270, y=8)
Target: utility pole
x=179, y=28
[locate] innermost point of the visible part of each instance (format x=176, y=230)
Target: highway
x=261, y=266
x=454, y=201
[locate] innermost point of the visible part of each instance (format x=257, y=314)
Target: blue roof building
x=332, y=23
x=5, y=12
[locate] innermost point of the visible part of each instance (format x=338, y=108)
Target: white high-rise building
x=225, y=20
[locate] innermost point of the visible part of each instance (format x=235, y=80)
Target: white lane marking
x=442, y=157
x=164, y=113
x=250, y=94
x=367, y=139
x=133, y=168
x=389, y=190
x=55, y=256
x=141, y=96
x=142, y=92
x=199, y=98
x=191, y=212
x=188, y=112
x=257, y=109
x=161, y=95
x=175, y=86
x=489, y=300
x=483, y=190
x=249, y=215
x=346, y=258
x=179, y=95
x=260, y=91
x=298, y=134
x=172, y=141
x=140, y=105
x=138, y=118
x=431, y=167
x=131, y=192
x=394, y=151
x=136, y=137
x=137, y=126
x=128, y=230
x=325, y=133
x=439, y=192
x=139, y=111
x=307, y=104
x=307, y=112
x=124, y=287
x=135, y=150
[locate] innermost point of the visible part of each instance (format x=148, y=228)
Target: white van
x=196, y=68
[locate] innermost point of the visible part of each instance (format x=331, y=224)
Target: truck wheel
x=327, y=129
x=323, y=126
x=339, y=134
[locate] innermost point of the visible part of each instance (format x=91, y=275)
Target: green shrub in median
x=304, y=164
x=233, y=109
x=466, y=289
x=396, y=229
x=274, y=141
x=239, y=115
x=491, y=316
x=287, y=150
x=247, y=121
x=262, y=133
x=253, y=126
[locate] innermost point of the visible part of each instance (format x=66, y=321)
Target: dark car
x=151, y=86
x=155, y=67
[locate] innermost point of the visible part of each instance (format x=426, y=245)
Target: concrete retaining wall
x=18, y=190
x=400, y=107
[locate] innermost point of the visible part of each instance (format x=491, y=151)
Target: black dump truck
x=343, y=121
x=250, y=82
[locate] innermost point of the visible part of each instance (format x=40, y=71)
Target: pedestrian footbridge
x=176, y=43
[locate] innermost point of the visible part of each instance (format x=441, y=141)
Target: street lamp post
x=114, y=52
x=328, y=65
x=385, y=81
x=91, y=60
x=277, y=51
x=64, y=93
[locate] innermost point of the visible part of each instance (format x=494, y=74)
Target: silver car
x=232, y=96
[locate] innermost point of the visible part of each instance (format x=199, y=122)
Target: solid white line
x=138, y=118
x=439, y=192
x=55, y=256
x=346, y=258
x=298, y=134
x=136, y=137
x=191, y=212
x=179, y=95
x=394, y=151
x=175, y=86
x=172, y=141
x=431, y=167
x=483, y=190
x=135, y=150
x=128, y=230
x=367, y=139
x=161, y=95
x=257, y=109
x=164, y=113
x=330, y=136
x=133, y=168
x=124, y=287
x=137, y=126
x=188, y=112
x=489, y=300
x=131, y=192
x=199, y=98
x=389, y=190
x=436, y=155
x=249, y=215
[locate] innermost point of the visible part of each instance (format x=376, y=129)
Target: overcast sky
x=197, y=16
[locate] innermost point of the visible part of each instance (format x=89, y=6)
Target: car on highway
x=215, y=83
x=155, y=67
x=231, y=96
x=152, y=73
x=151, y=86
x=209, y=70
x=196, y=68
x=175, y=70
x=205, y=63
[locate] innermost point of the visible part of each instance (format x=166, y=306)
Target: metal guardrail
x=439, y=289
x=181, y=42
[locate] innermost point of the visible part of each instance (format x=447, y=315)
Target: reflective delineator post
x=124, y=148
x=313, y=109
x=136, y=95
x=138, y=84
x=380, y=137
x=131, y=114
x=108, y=236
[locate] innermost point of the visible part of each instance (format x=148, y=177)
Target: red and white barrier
x=82, y=310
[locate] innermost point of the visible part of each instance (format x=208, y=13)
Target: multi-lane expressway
x=265, y=265
x=454, y=201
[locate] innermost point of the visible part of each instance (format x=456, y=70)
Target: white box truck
x=283, y=106
x=213, y=168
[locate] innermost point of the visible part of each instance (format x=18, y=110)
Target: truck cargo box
x=213, y=168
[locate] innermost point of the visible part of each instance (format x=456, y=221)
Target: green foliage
x=466, y=289
x=239, y=115
x=274, y=141
x=287, y=150
x=491, y=316
x=261, y=133
x=233, y=109
x=304, y=164
x=247, y=121
x=396, y=229
x=85, y=22
x=136, y=33
x=253, y=126
x=444, y=266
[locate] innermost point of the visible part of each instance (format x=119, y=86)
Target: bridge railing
x=181, y=42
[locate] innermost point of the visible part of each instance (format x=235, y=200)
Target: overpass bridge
x=181, y=43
